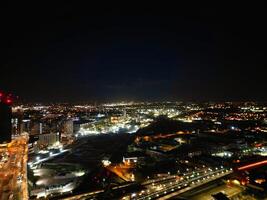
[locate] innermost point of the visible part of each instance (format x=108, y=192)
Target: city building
x=5, y=119
x=68, y=128
x=17, y=121
x=47, y=139
x=13, y=155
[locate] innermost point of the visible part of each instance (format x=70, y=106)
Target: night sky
x=81, y=53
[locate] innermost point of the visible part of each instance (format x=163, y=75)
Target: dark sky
x=71, y=52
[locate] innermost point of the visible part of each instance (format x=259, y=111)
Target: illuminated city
x=138, y=150
x=139, y=104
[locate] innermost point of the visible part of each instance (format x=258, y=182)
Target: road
x=50, y=157
x=174, y=185
x=13, y=172
x=168, y=186
x=91, y=195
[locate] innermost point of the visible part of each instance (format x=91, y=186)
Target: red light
x=8, y=101
x=252, y=165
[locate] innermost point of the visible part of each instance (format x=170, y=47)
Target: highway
x=168, y=187
x=91, y=195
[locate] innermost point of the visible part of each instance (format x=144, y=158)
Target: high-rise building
x=17, y=121
x=68, y=128
x=5, y=119
x=37, y=128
